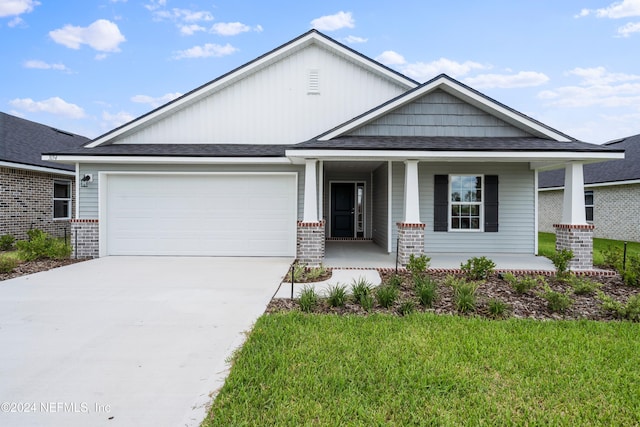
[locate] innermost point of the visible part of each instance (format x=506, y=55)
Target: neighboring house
x=612, y=194
x=34, y=193
x=314, y=140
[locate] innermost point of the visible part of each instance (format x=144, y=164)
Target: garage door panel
x=223, y=215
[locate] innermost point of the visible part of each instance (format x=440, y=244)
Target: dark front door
x=342, y=209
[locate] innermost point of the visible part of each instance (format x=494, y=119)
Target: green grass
x=297, y=369
x=547, y=246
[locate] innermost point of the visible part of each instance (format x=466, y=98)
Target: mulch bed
x=30, y=267
x=526, y=305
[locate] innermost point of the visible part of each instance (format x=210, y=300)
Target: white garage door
x=212, y=215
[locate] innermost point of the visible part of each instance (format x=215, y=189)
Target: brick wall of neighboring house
x=26, y=202
x=615, y=211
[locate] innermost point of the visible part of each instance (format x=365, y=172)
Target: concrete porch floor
x=366, y=254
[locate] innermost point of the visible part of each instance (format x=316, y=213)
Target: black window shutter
x=441, y=203
x=491, y=203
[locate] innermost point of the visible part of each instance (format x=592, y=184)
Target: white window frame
x=480, y=228
x=65, y=199
x=586, y=206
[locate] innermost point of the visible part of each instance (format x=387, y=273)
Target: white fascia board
x=37, y=168
x=597, y=184
x=450, y=156
x=459, y=91
x=245, y=70
x=171, y=160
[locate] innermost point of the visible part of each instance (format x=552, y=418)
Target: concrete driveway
x=126, y=341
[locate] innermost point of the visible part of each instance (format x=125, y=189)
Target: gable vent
x=314, y=82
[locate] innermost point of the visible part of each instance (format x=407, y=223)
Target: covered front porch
x=367, y=254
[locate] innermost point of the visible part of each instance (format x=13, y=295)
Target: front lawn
x=423, y=369
x=547, y=246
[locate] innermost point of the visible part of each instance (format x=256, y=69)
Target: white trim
x=167, y=160
x=37, y=168
x=310, y=207
x=459, y=91
x=282, y=52
x=480, y=203
x=320, y=189
x=411, y=192
x=77, y=190
x=597, y=184
x=573, y=211
x=103, y=191
x=468, y=156
x=389, y=206
x=535, y=212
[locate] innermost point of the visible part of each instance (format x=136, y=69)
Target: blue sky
x=88, y=66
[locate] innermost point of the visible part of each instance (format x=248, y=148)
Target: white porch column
x=310, y=191
x=411, y=194
x=573, y=203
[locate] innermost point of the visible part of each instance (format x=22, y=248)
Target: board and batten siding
x=274, y=105
x=439, y=114
x=516, y=214
x=380, y=206
x=89, y=207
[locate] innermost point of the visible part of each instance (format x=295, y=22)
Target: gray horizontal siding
x=89, y=208
x=439, y=114
x=516, y=210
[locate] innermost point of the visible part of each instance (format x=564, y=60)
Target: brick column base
x=84, y=238
x=578, y=238
x=310, y=243
x=410, y=241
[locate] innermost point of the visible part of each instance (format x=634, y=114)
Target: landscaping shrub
x=360, y=288
x=497, y=308
x=366, y=301
x=561, y=261
x=464, y=294
x=631, y=276
x=337, y=295
x=418, y=264
x=316, y=272
x=394, y=280
x=7, y=264
x=629, y=310
x=612, y=256
x=6, y=242
x=556, y=301
x=299, y=271
x=406, y=308
x=582, y=285
x=426, y=290
x=478, y=268
x=308, y=299
x=41, y=245
x=523, y=284
x=386, y=295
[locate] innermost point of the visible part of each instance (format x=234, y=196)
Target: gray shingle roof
x=23, y=141
x=615, y=170
x=438, y=143
x=179, y=150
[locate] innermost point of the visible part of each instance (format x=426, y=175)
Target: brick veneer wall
x=310, y=243
x=410, y=241
x=579, y=240
x=84, y=238
x=26, y=202
x=549, y=210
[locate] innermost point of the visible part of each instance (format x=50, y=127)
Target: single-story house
x=611, y=193
x=34, y=193
x=315, y=141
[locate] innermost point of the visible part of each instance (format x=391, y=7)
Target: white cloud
x=354, y=39
x=507, y=81
x=229, y=28
x=629, y=28
x=426, y=70
x=102, y=35
x=41, y=65
x=389, y=57
x=600, y=76
x=155, y=101
x=191, y=29
x=155, y=4
x=111, y=121
x=183, y=15
x=616, y=10
x=333, y=22
x=54, y=105
x=15, y=22
x=16, y=7
x=205, y=51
